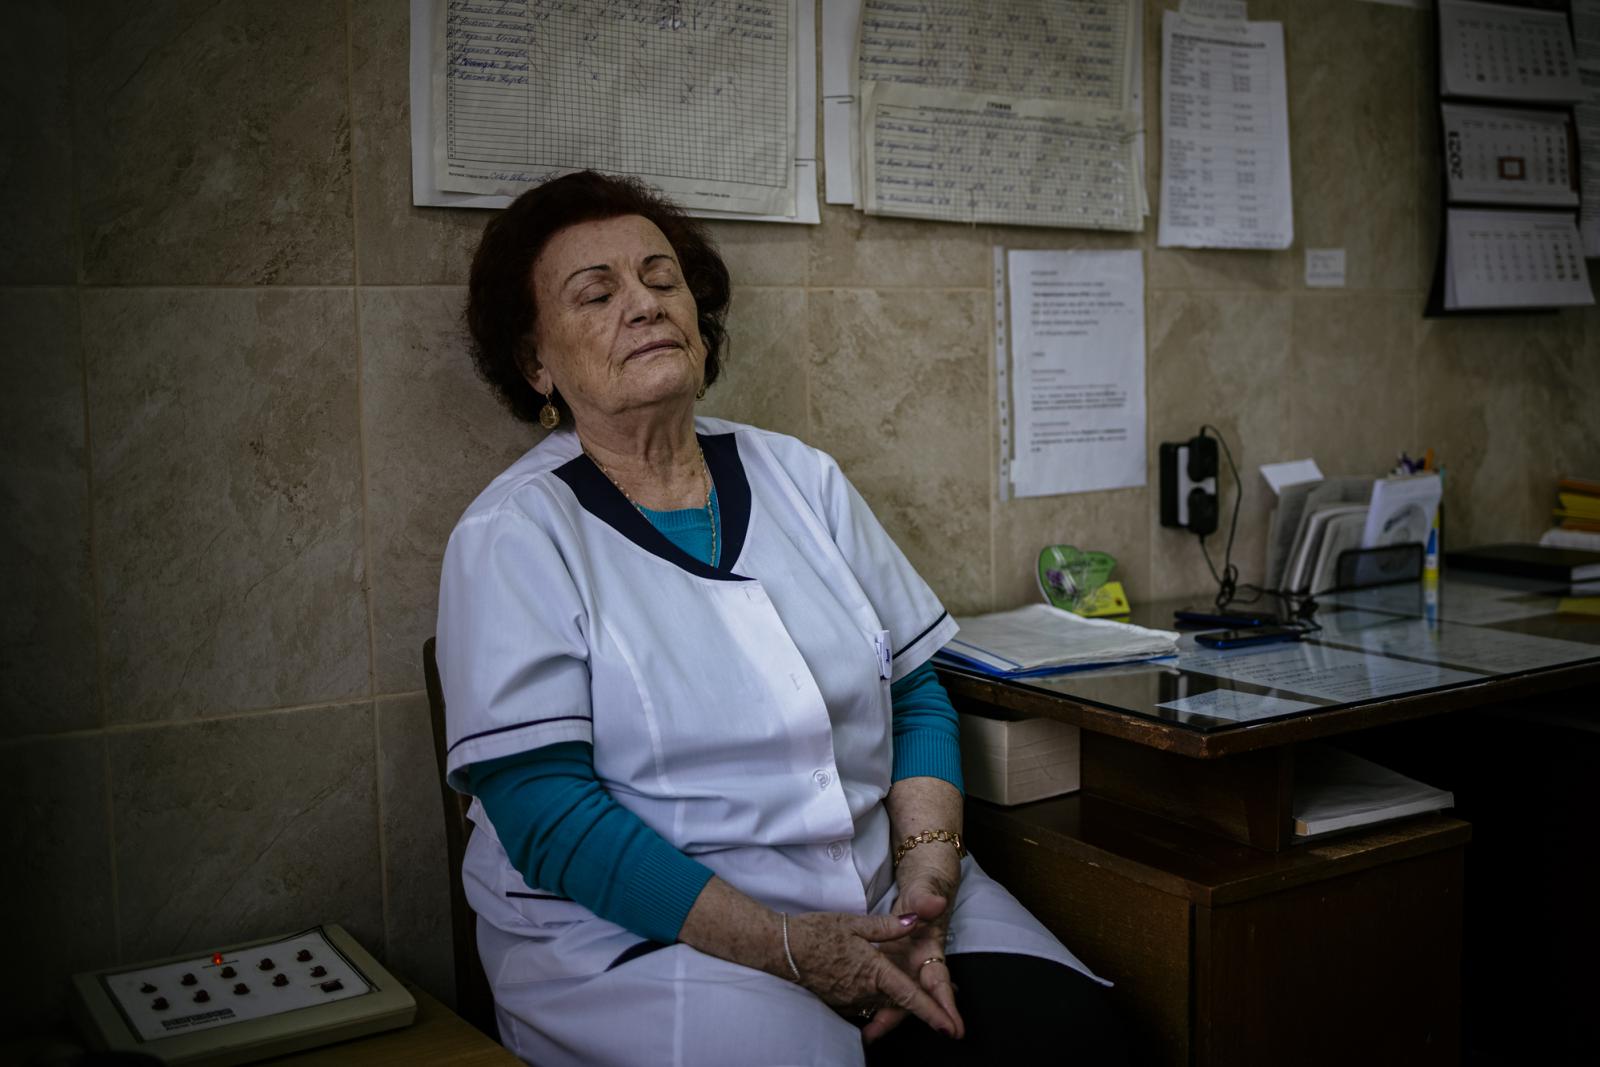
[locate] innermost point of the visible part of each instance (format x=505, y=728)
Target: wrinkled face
x=615, y=328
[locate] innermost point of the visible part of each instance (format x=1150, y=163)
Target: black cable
x=1294, y=609
x=1228, y=580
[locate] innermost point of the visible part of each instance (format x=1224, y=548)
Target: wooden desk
x=438, y=1036
x=1174, y=872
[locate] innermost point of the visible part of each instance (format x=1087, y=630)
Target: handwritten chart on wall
x=1016, y=112
x=696, y=98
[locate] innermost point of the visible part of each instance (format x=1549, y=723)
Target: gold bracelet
x=923, y=838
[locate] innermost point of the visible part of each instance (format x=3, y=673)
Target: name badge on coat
x=885, y=654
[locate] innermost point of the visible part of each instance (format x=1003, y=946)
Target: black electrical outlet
x=1189, y=485
x=1202, y=459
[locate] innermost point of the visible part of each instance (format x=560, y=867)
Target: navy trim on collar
x=605, y=502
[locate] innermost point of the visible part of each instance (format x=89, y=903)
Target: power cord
x=1228, y=580
x=1295, y=609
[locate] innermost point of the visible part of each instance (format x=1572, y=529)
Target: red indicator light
x=216, y=957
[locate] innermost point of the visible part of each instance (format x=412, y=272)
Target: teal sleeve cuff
x=927, y=735
x=565, y=834
x=664, y=885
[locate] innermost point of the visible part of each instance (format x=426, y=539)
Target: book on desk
x=1576, y=570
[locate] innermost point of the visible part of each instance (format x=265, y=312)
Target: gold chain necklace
x=705, y=475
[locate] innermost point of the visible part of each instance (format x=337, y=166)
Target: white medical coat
x=741, y=711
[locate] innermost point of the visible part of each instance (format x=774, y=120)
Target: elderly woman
x=717, y=784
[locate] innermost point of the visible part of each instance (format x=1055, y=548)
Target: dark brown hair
x=500, y=306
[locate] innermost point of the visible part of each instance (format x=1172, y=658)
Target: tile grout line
x=118, y=729
x=366, y=496
x=96, y=592
x=993, y=379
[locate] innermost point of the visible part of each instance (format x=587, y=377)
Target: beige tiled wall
x=240, y=424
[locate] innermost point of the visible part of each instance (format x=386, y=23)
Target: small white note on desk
x=1234, y=706
x=1324, y=268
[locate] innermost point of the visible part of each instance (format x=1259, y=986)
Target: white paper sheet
x=1505, y=53
x=1315, y=670
x=1234, y=706
x=1460, y=602
x=1504, y=259
x=1077, y=371
x=962, y=157
x=1402, y=510
x=1588, y=117
x=1215, y=9
x=1347, y=621
x=705, y=197
x=1022, y=111
x=1474, y=647
x=1325, y=268
x=1290, y=472
x=841, y=20
x=1224, y=135
x=1586, y=33
x=1497, y=155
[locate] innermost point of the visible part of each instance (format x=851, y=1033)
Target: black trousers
x=1018, y=1010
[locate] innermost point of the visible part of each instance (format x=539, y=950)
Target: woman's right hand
x=839, y=961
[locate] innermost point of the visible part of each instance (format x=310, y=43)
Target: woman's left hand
x=927, y=880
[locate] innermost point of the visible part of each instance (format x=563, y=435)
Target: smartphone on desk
x=1189, y=617
x=1263, y=635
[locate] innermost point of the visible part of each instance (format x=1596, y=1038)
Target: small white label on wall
x=1325, y=268
x=1215, y=9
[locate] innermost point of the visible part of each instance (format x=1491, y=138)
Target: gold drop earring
x=549, y=415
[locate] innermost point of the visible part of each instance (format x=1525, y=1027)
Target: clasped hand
x=855, y=962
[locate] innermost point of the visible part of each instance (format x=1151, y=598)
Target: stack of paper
x=1317, y=522
x=1334, y=790
x=1014, y=759
x=1039, y=639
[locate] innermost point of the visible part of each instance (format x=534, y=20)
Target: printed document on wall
x=1588, y=115
x=1224, y=135
x=710, y=103
x=1077, y=407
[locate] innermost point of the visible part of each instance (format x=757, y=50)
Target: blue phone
x=1266, y=635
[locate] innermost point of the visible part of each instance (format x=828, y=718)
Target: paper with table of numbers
x=1509, y=156
x=964, y=157
x=1506, y=53
x=698, y=100
x=1019, y=111
x=1224, y=135
x=1508, y=259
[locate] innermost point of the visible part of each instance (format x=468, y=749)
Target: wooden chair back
x=474, y=1000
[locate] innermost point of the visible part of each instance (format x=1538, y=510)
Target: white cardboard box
x=1013, y=761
